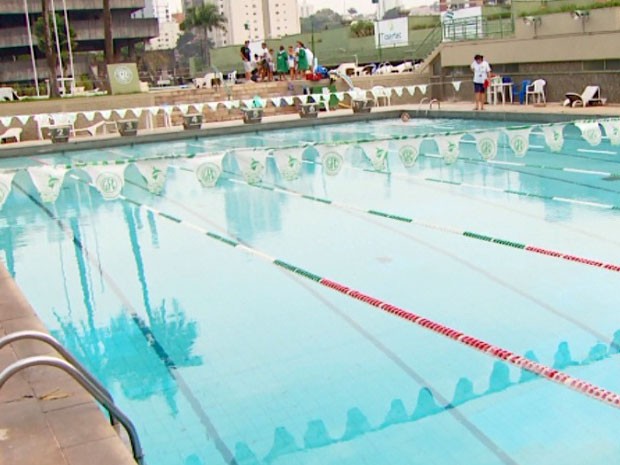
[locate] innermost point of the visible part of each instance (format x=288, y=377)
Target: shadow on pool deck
x=45, y=416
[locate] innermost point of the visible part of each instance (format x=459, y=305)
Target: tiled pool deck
x=45, y=416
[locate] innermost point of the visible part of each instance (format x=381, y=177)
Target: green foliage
x=39, y=33
x=545, y=9
x=394, y=13
x=322, y=20
x=362, y=29
x=204, y=18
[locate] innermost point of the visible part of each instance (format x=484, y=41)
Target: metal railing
x=477, y=28
x=79, y=373
x=428, y=44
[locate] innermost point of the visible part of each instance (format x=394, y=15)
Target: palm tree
x=50, y=54
x=205, y=18
x=107, y=33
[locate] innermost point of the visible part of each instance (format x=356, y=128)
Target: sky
x=340, y=6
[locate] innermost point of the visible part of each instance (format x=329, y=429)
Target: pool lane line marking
x=444, y=228
x=557, y=376
x=604, y=152
x=144, y=329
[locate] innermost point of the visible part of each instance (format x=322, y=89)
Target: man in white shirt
x=482, y=72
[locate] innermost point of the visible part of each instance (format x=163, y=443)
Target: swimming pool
x=183, y=302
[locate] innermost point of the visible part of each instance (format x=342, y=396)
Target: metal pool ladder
x=79, y=373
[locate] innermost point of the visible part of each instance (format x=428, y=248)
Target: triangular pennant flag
x=6, y=182
x=289, y=162
x=449, y=147
x=154, y=173
x=108, y=179
x=252, y=163
x=207, y=169
x=303, y=98
x=377, y=152
x=236, y=103
x=554, y=136
x=228, y=104
x=168, y=109
x=486, y=144
x=249, y=103
x=398, y=90
x=411, y=89
x=612, y=131
x=276, y=101
x=289, y=100
x=332, y=161
x=423, y=88
x=89, y=115
x=456, y=85
x=153, y=110
x=137, y=112
x=105, y=113
x=184, y=107
x=408, y=151
x=48, y=181
x=591, y=132
x=339, y=95
x=519, y=140
x=23, y=118
x=199, y=107
x=122, y=112
x=6, y=121
x=213, y=105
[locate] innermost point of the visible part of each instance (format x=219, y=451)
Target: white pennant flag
x=411, y=89
x=423, y=88
x=6, y=121
x=519, y=140
x=168, y=109
x=154, y=173
x=289, y=162
x=486, y=144
x=332, y=161
x=275, y=101
x=6, y=182
x=89, y=115
x=105, y=113
x=339, y=95
x=137, y=112
x=398, y=90
x=228, y=104
x=153, y=110
x=48, y=181
x=236, y=103
x=303, y=98
x=289, y=100
x=199, y=107
x=249, y=103
x=184, y=107
x=122, y=112
x=612, y=130
x=408, y=151
x=23, y=118
x=207, y=169
x=554, y=136
x=456, y=85
x=449, y=147
x=213, y=105
x=377, y=153
x=108, y=179
x=591, y=132
x=252, y=163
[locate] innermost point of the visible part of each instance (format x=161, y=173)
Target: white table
x=499, y=88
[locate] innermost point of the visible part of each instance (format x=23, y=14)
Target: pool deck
x=46, y=417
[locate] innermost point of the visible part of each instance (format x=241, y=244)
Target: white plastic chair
x=65, y=119
x=43, y=121
x=379, y=93
x=11, y=133
x=537, y=90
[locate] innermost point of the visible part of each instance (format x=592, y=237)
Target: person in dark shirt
x=245, y=57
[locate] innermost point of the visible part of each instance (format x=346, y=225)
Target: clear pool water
x=222, y=357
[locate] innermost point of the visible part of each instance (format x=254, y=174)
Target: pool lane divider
x=448, y=229
x=551, y=374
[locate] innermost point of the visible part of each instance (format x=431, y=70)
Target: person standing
x=247, y=60
x=302, y=58
x=291, y=61
x=482, y=71
x=282, y=63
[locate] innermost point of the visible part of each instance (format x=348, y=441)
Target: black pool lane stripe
x=149, y=336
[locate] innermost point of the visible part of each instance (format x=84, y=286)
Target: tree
x=50, y=54
x=321, y=20
x=107, y=33
x=204, y=18
x=394, y=13
x=362, y=28
x=39, y=33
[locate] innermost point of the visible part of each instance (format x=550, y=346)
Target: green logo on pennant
x=208, y=174
x=519, y=144
x=379, y=160
x=487, y=148
x=255, y=173
x=109, y=184
x=332, y=163
x=408, y=155
x=290, y=170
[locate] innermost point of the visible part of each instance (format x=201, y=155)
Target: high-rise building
x=169, y=28
x=253, y=19
x=305, y=10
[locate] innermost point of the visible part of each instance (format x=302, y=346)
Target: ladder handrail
x=78, y=376
x=54, y=343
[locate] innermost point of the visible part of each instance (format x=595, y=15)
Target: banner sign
x=392, y=33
